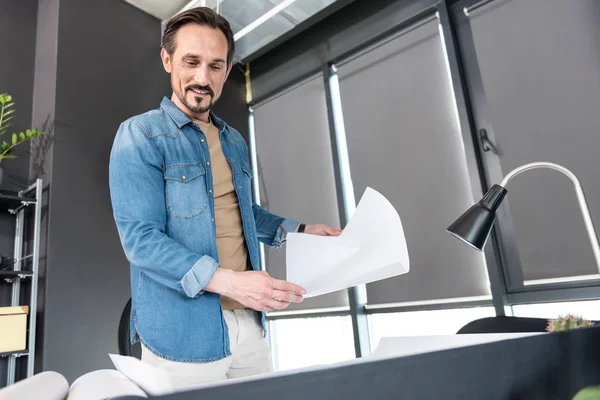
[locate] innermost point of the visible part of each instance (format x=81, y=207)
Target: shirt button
x=209, y=190
x=232, y=161
x=213, y=220
x=239, y=187
x=183, y=177
x=202, y=140
x=207, y=163
x=245, y=214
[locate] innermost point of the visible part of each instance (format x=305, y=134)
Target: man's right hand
x=255, y=289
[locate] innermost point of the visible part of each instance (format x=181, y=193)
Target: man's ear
x=166, y=60
x=228, y=71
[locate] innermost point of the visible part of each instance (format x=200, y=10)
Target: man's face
x=198, y=68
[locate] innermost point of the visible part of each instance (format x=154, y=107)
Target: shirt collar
x=181, y=119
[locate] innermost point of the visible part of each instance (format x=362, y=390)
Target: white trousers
x=251, y=355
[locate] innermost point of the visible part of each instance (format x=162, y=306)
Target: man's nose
x=201, y=76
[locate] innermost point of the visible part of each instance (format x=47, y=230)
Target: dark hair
x=202, y=16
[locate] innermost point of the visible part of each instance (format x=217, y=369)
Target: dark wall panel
x=17, y=44
x=17, y=41
x=232, y=106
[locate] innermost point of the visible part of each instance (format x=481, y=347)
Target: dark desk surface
x=552, y=366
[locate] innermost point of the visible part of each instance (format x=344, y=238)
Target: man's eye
x=216, y=67
x=191, y=63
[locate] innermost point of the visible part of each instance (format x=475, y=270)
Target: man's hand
x=321, y=230
x=255, y=289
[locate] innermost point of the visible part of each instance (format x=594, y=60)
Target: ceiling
x=255, y=23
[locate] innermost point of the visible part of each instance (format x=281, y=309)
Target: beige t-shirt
x=231, y=245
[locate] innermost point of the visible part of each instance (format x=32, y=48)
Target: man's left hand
x=322, y=230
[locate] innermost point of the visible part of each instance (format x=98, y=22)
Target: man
x=180, y=184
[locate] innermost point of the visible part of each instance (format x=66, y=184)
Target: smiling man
x=180, y=184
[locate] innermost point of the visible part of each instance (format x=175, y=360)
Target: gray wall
x=232, y=106
x=17, y=43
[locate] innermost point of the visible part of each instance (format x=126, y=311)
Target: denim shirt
x=161, y=191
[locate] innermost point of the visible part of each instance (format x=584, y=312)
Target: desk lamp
x=475, y=225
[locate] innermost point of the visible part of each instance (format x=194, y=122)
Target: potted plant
x=588, y=393
x=567, y=322
x=7, y=113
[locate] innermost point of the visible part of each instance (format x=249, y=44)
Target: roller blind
x=295, y=169
x=404, y=140
x=539, y=63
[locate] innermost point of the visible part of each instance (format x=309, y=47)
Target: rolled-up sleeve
x=136, y=182
x=272, y=229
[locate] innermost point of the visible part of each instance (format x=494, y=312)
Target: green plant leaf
x=4, y=128
x=588, y=393
x=7, y=157
x=29, y=134
x=14, y=139
x=4, y=146
x=22, y=136
x=7, y=113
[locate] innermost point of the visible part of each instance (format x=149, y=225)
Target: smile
x=201, y=92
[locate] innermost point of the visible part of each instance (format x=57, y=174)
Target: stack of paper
x=371, y=247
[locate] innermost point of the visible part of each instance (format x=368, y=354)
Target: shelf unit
x=17, y=203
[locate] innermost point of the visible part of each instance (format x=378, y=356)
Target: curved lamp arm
x=585, y=210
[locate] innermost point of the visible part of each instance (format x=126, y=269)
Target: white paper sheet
x=103, y=384
x=152, y=380
x=402, y=346
x=371, y=247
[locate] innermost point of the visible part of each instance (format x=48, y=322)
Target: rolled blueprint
x=47, y=385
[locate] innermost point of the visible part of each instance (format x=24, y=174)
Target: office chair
x=125, y=346
x=503, y=324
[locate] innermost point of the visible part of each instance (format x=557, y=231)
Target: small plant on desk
x=588, y=393
x=567, y=322
x=574, y=322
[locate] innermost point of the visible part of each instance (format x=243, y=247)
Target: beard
x=195, y=106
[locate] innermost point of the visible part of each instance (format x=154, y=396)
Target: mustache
x=206, y=88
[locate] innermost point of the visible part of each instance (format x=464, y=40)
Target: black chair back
x=503, y=324
x=125, y=346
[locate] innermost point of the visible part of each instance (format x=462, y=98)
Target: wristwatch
x=300, y=230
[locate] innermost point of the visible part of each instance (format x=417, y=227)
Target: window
x=417, y=323
x=542, y=95
x=302, y=342
x=404, y=141
x=289, y=185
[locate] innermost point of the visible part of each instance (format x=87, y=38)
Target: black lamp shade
x=475, y=225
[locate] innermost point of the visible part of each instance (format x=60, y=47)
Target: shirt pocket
x=185, y=190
